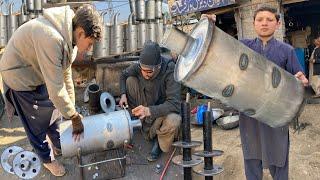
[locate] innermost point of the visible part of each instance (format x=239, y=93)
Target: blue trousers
x=34, y=109
x=254, y=170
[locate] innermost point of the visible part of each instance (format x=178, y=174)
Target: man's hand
x=211, y=17
x=77, y=126
x=302, y=78
x=141, y=112
x=123, y=100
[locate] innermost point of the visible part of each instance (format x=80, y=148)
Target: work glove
x=77, y=126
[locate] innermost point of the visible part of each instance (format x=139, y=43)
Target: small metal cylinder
x=12, y=21
x=133, y=9
x=159, y=30
x=100, y=48
x=116, y=37
x=142, y=33
x=132, y=33
x=30, y=5
x=177, y=41
x=186, y=137
x=23, y=16
x=151, y=32
x=101, y=132
x=3, y=30
x=158, y=12
x=94, y=92
x=141, y=10
x=38, y=5
x=151, y=7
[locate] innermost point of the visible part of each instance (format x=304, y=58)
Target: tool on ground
x=187, y=161
x=208, y=169
x=24, y=164
x=167, y=164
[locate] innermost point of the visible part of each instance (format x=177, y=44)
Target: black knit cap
x=150, y=54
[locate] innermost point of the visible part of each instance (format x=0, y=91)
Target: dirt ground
x=304, y=153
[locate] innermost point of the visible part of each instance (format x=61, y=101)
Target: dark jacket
x=162, y=93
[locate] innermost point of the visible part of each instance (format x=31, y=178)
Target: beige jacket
x=40, y=52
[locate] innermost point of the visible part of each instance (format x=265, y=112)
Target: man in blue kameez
x=262, y=145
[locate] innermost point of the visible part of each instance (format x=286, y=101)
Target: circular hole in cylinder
x=94, y=88
x=22, y=156
x=34, y=170
x=11, y=169
x=22, y=166
x=108, y=103
x=10, y=150
x=23, y=174
x=34, y=159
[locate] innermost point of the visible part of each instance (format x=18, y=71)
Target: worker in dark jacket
x=149, y=89
x=262, y=145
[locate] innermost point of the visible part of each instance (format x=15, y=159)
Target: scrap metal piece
x=107, y=102
x=7, y=157
x=26, y=165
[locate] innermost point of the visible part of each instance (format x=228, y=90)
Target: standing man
x=36, y=70
x=262, y=145
x=149, y=89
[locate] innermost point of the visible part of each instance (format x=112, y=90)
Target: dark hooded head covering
x=150, y=54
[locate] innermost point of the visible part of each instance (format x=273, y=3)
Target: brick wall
x=244, y=18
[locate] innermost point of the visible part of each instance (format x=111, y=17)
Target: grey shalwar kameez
x=262, y=145
x=161, y=94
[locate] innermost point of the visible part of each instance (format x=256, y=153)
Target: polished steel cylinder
x=141, y=10
x=116, y=37
x=151, y=32
x=159, y=30
x=243, y=79
x=100, y=47
x=133, y=9
x=37, y=5
x=151, y=9
x=101, y=132
x=23, y=16
x=158, y=13
x=3, y=30
x=132, y=34
x=30, y=5
x=142, y=34
x=12, y=21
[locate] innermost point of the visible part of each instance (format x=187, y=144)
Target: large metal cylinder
x=142, y=33
x=158, y=9
x=141, y=10
x=159, y=30
x=151, y=32
x=30, y=5
x=23, y=16
x=132, y=41
x=100, y=48
x=101, y=132
x=3, y=30
x=37, y=5
x=12, y=21
x=133, y=9
x=242, y=79
x=116, y=37
x=151, y=8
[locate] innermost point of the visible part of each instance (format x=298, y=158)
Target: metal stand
x=186, y=161
x=208, y=169
x=82, y=166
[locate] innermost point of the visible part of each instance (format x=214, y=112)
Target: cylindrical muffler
x=3, y=29
x=132, y=41
x=151, y=32
x=142, y=33
x=116, y=36
x=242, y=79
x=37, y=5
x=101, y=132
x=151, y=8
x=23, y=16
x=141, y=10
x=158, y=9
x=133, y=10
x=100, y=47
x=159, y=30
x=13, y=21
x=30, y=5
